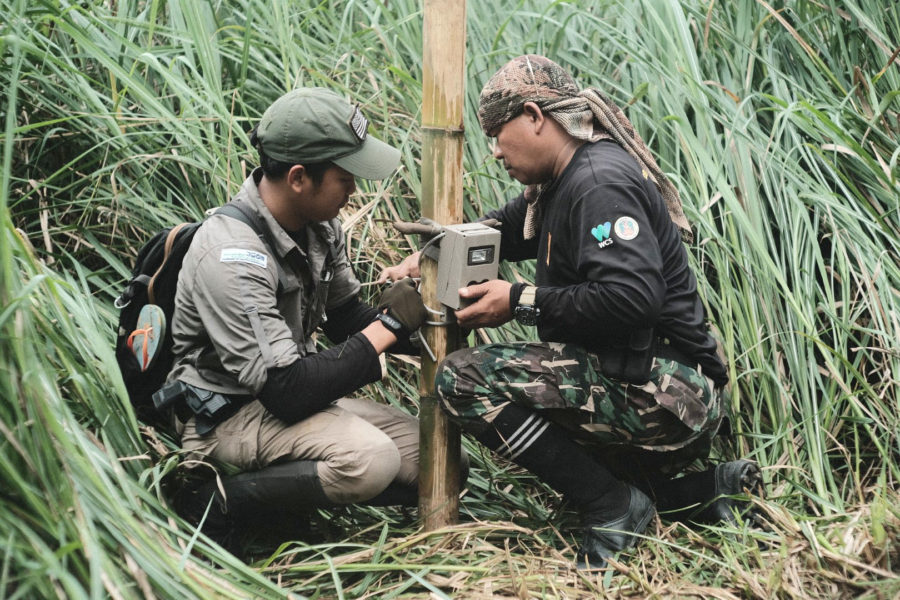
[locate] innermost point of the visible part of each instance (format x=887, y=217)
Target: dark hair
x=277, y=169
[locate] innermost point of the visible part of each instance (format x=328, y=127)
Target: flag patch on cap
x=359, y=124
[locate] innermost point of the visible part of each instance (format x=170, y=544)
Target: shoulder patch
x=601, y=231
x=626, y=228
x=245, y=256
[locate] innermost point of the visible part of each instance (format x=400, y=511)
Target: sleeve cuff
x=514, y=293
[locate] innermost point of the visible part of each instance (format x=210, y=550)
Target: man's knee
x=457, y=378
x=463, y=390
x=360, y=472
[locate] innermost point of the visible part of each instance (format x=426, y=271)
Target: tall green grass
x=779, y=123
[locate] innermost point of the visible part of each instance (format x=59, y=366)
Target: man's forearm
x=311, y=383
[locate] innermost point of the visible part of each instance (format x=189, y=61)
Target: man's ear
x=534, y=114
x=295, y=177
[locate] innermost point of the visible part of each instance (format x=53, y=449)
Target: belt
x=665, y=349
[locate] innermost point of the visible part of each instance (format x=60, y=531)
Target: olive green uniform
x=248, y=303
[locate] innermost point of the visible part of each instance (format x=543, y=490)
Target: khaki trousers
x=360, y=446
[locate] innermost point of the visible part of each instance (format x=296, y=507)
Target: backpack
x=146, y=306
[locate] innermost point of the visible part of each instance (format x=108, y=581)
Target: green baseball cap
x=314, y=125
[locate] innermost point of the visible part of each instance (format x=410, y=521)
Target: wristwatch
x=526, y=312
x=393, y=325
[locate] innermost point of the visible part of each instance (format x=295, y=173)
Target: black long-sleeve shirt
x=610, y=260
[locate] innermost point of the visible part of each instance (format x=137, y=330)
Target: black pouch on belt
x=209, y=408
x=630, y=363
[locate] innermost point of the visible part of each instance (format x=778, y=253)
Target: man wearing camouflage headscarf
x=624, y=388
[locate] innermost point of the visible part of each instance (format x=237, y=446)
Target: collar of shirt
x=320, y=236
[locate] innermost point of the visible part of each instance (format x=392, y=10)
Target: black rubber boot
x=604, y=539
x=288, y=488
x=733, y=482
x=395, y=494
x=398, y=494
x=717, y=495
x=524, y=437
x=612, y=511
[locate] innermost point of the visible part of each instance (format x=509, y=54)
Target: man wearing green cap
x=247, y=307
x=623, y=390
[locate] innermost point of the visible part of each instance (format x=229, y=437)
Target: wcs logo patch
x=601, y=233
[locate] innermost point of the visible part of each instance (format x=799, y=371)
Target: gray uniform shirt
x=231, y=322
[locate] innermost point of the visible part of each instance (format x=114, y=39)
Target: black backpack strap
x=246, y=215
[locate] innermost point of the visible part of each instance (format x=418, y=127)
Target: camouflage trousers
x=565, y=383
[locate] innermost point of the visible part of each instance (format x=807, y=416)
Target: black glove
x=404, y=304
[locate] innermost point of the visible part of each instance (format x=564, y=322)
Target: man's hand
x=408, y=268
x=490, y=307
x=404, y=303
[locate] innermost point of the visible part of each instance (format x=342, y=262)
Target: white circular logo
x=626, y=228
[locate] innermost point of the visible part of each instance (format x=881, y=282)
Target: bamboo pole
x=444, y=48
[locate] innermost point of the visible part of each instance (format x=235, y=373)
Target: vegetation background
x=777, y=120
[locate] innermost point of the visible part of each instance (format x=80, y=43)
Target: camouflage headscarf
x=586, y=115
